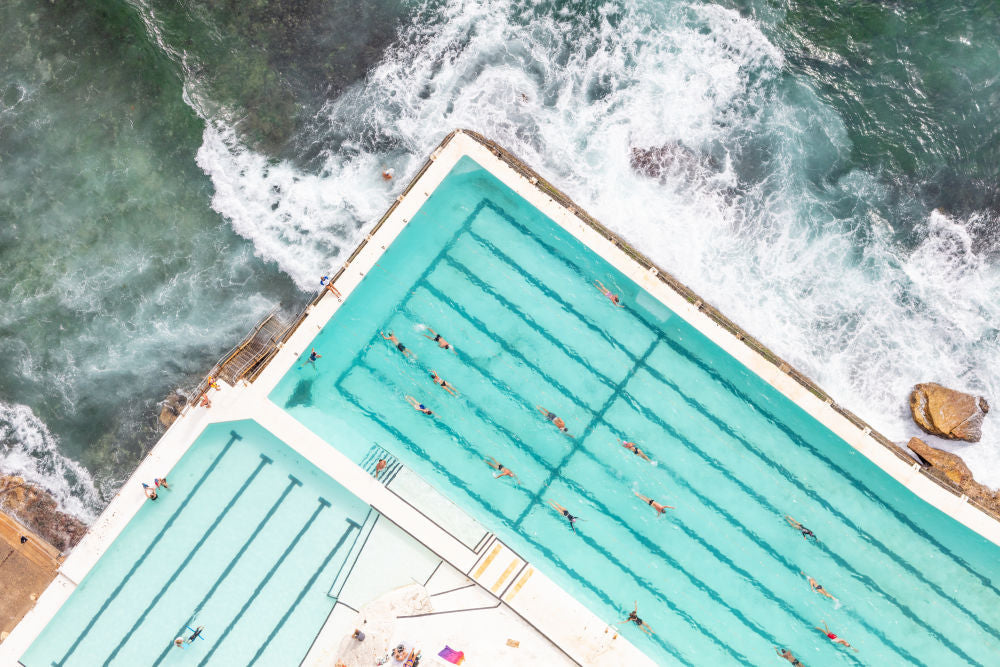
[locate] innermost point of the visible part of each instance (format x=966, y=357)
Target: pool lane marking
x=479, y=324
x=775, y=421
x=292, y=483
x=351, y=525
x=784, y=474
x=547, y=553
x=233, y=437
x=596, y=419
x=503, y=577
x=765, y=546
x=511, y=307
x=323, y=504
x=187, y=559
x=712, y=462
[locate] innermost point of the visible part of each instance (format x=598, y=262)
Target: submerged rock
x=172, y=409
x=948, y=413
x=951, y=467
x=36, y=509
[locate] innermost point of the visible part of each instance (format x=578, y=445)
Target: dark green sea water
x=825, y=172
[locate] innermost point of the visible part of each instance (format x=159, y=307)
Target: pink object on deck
x=451, y=655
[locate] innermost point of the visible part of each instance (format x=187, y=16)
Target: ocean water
x=826, y=173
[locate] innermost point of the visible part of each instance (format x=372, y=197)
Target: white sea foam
x=837, y=294
x=28, y=449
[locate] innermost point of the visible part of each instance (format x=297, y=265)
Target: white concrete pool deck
x=519, y=586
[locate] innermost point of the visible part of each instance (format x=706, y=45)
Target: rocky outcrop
x=172, y=409
x=38, y=510
x=947, y=466
x=948, y=413
x=670, y=159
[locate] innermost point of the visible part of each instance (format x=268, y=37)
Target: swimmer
x=149, y=491
x=417, y=405
x=818, y=587
x=379, y=467
x=333, y=290
x=444, y=384
x=806, y=533
x=551, y=416
x=388, y=173
x=659, y=507
x=787, y=655
x=196, y=635
x=442, y=343
x=608, y=293
x=633, y=617
x=565, y=512
x=205, y=401
x=834, y=638
x=502, y=469
x=631, y=446
x=399, y=346
x=313, y=356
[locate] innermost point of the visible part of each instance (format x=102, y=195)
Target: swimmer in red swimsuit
x=834, y=638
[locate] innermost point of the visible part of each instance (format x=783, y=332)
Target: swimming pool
x=246, y=542
x=718, y=578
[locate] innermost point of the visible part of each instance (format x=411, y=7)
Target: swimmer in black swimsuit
x=787, y=655
x=444, y=384
x=818, y=587
x=442, y=343
x=633, y=617
x=313, y=356
x=502, y=469
x=806, y=533
x=631, y=446
x=399, y=346
x=417, y=405
x=565, y=512
x=557, y=421
x=659, y=507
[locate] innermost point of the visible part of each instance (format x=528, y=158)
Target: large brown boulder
x=38, y=510
x=948, y=413
x=172, y=407
x=948, y=466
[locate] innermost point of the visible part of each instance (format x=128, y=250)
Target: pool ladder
x=371, y=459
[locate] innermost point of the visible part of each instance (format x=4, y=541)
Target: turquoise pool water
x=246, y=542
x=718, y=578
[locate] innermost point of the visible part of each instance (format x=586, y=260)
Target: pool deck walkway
x=25, y=571
x=518, y=585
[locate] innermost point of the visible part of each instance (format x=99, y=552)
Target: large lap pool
x=247, y=542
x=718, y=579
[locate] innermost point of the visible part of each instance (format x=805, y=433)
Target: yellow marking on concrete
x=486, y=563
x=517, y=587
x=503, y=577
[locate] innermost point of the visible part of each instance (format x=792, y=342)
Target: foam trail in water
x=30, y=451
x=702, y=90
